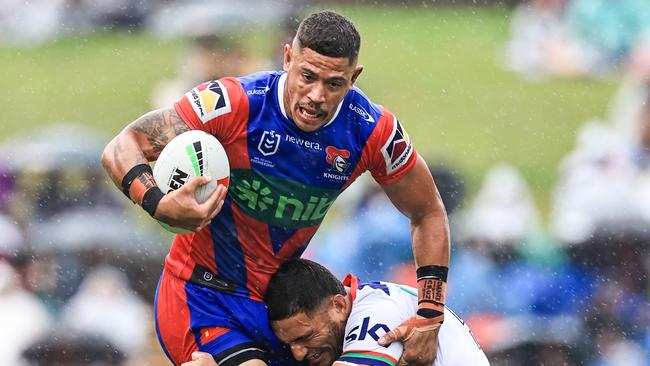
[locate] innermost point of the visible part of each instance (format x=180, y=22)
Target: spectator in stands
x=594, y=186
x=641, y=151
x=65, y=347
x=503, y=213
x=574, y=38
x=208, y=57
x=106, y=307
x=610, y=30
x=23, y=316
x=541, y=43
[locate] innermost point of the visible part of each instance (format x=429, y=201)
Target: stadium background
x=83, y=262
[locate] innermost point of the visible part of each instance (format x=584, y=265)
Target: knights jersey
x=378, y=307
x=282, y=179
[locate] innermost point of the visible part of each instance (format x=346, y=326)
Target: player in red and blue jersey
x=295, y=140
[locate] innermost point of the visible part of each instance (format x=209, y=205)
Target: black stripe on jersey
x=239, y=354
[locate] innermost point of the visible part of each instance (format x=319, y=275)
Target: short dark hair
x=300, y=286
x=330, y=34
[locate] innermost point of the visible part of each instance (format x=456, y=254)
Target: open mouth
x=310, y=115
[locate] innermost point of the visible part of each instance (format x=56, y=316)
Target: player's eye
x=306, y=337
x=307, y=77
x=335, y=84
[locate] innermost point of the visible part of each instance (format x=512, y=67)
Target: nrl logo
x=269, y=143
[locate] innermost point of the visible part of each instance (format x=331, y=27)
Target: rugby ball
x=191, y=154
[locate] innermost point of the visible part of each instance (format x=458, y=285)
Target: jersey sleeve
x=368, y=321
x=218, y=107
x=391, y=153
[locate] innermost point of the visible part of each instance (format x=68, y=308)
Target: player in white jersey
x=378, y=307
x=325, y=322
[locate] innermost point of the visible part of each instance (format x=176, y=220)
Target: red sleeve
x=391, y=153
x=214, y=107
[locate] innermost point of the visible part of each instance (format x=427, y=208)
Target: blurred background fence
x=534, y=118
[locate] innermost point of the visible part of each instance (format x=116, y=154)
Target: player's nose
x=299, y=352
x=317, y=93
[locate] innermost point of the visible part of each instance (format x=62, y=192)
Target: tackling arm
x=141, y=142
x=417, y=197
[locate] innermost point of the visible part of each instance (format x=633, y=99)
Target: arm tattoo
x=159, y=127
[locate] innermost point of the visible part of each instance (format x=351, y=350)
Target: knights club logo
x=269, y=143
x=337, y=158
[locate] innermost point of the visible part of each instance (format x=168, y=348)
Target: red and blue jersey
x=283, y=180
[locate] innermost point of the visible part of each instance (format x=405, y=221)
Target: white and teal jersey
x=378, y=307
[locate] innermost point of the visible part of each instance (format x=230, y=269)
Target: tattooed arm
x=141, y=142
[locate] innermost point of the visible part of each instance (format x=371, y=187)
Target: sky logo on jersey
x=362, y=112
x=269, y=143
x=359, y=333
x=337, y=158
x=278, y=201
x=209, y=100
x=398, y=149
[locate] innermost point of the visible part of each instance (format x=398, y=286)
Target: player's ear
x=287, y=57
x=356, y=73
x=339, y=304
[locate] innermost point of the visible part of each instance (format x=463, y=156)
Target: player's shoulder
x=259, y=83
x=212, y=99
x=361, y=109
x=376, y=291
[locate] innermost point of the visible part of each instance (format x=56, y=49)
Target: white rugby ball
x=191, y=154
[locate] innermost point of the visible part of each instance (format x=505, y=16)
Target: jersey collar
x=281, y=85
x=353, y=282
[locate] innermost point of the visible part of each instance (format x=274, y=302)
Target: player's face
x=318, y=339
x=315, y=85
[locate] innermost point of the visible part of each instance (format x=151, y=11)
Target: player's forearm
x=431, y=252
x=122, y=154
x=430, y=236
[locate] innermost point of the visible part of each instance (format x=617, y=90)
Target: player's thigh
x=253, y=363
x=230, y=347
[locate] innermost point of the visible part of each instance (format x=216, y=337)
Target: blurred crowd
x=577, y=38
x=79, y=265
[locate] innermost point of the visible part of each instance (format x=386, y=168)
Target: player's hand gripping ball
x=191, y=154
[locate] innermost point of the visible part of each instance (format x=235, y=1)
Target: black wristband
x=151, y=200
x=431, y=313
x=438, y=272
x=131, y=175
